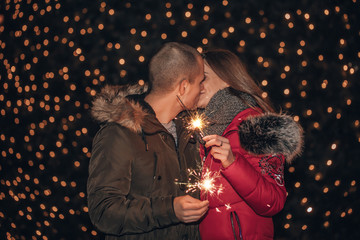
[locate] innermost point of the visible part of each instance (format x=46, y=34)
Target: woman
x=246, y=147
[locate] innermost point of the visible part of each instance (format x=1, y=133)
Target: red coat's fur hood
x=272, y=133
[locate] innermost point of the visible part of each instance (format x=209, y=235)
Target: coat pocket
x=235, y=225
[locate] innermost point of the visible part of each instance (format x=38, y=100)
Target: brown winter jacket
x=134, y=167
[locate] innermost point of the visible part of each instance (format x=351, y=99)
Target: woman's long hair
x=232, y=71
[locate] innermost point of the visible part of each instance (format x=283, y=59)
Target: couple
x=143, y=149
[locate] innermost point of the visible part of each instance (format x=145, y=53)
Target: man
x=140, y=152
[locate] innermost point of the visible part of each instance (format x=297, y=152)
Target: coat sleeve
x=111, y=208
x=261, y=186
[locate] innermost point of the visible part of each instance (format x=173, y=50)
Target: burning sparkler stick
x=196, y=123
x=206, y=183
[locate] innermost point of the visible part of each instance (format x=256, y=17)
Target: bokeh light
x=56, y=54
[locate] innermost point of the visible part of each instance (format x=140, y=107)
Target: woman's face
x=212, y=85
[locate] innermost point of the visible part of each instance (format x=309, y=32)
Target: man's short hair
x=169, y=63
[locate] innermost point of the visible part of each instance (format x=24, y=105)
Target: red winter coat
x=253, y=191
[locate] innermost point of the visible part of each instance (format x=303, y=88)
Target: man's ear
x=183, y=86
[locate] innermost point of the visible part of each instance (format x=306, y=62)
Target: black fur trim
x=271, y=133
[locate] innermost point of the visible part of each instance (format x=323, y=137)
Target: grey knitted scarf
x=223, y=107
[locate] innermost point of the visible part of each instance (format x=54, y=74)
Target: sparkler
x=205, y=183
x=196, y=122
x=208, y=183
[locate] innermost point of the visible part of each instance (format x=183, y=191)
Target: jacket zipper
x=176, y=148
x=178, y=157
x=232, y=214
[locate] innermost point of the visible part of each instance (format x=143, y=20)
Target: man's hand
x=188, y=209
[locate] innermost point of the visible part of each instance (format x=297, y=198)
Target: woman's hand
x=220, y=149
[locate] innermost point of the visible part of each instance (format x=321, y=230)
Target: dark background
x=55, y=55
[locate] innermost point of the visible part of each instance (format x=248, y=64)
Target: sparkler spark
x=227, y=206
x=197, y=123
x=206, y=183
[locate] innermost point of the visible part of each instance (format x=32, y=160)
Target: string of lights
x=56, y=54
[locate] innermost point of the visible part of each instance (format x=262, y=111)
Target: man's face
x=192, y=95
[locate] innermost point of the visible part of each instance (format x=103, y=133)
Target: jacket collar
x=126, y=106
x=223, y=107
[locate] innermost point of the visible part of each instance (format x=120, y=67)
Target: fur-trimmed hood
x=112, y=105
x=272, y=133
